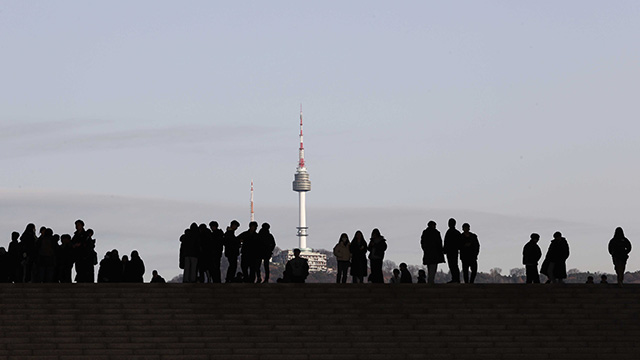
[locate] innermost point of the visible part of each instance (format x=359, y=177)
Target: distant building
x=317, y=261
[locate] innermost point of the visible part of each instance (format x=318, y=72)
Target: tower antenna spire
x=301, y=164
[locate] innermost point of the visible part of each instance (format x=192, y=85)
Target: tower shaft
x=302, y=225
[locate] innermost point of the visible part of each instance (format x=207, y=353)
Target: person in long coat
x=431, y=243
x=377, y=247
x=619, y=248
x=135, y=269
x=358, y=248
x=555, y=262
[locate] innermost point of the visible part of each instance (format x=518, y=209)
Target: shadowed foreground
x=318, y=321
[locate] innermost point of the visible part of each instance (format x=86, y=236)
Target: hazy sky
x=524, y=110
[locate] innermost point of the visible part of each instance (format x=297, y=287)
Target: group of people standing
x=554, y=264
x=202, y=247
x=114, y=269
x=43, y=256
x=46, y=257
x=464, y=245
x=354, y=254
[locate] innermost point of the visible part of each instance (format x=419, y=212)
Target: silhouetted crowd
x=46, y=257
x=202, y=247
x=461, y=248
x=354, y=255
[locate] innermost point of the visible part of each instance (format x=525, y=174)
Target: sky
x=514, y=117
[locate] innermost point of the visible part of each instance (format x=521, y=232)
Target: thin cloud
x=24, y=131
x=65, y=140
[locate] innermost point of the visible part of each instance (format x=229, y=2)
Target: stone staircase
x=319, y=321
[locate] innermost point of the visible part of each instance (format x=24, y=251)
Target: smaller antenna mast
x=252, y=214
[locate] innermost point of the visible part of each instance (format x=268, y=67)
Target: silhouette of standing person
x=205, y=257
x=267, y=244
x=28, y=246
x=249, y=261
x=343, y=256
x=135, y=269
x=217, y=240
x=377, y=247
x=103, y=268
x=4, y=265
x=469, y=250
x=189, y=250
x=114, y=267
x=431, y=243
x=451, y=249
x=619, y=248
x=358, y=248
x=231, y=250
x=46, y=247
x=124, y=263
x=65, y=259
x=85, y=256
x=531, y=254
x=556, y=257
x=14, y=257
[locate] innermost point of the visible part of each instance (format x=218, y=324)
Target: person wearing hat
x=531, y=254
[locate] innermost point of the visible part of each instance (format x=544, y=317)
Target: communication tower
x=301, y=185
